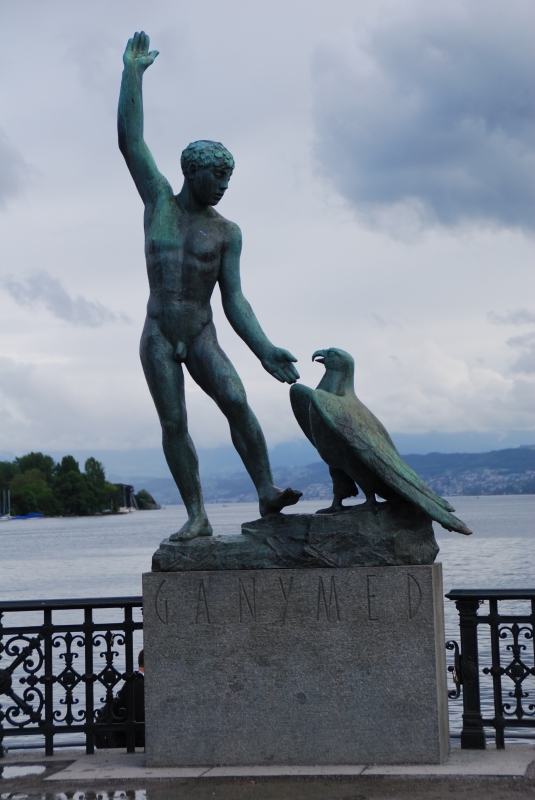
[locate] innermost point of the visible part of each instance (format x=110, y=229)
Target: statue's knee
x=235, y=406
x=174, y=428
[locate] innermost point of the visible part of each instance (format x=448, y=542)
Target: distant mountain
x=510, y=471
x=134, y=465
x=515, y=460
x=237, y=487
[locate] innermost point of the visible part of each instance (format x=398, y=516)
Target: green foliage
x=8, y=470
x=34, y=477
x=38, y=461
x=30, y=492
x=35, y=498
x=75, y=493
x=66, y=465
x=114, y=497
x=38, y=484
x=145, y=501
x=95, y=472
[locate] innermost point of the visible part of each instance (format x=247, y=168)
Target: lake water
x=105, y=556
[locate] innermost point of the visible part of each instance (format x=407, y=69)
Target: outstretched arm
x=275, y=360
x=137, y=58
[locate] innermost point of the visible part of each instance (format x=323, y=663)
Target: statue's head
x=208, y=165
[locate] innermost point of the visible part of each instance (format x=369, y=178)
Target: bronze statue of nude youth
x=190, y=247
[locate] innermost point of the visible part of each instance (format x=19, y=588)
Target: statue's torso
x=183, y=253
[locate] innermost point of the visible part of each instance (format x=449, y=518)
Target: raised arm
x=149, y=181
x=275, y=360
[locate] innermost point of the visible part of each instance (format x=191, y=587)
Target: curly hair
x=205, y=153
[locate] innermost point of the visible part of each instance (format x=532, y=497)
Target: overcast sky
x=384, y=185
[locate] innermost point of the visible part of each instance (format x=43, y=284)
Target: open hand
x=279, y=363
x=137, y=52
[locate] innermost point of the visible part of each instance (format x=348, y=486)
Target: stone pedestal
x=295, y=666
x=393, y=533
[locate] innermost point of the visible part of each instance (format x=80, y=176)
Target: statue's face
x=209, y=183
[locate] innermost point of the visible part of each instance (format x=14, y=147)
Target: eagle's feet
x=195, y=526
x=278, y=499
x=373, y=504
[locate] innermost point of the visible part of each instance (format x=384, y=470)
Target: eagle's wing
x=350, y=420
x=300, y=400
x=343, y=485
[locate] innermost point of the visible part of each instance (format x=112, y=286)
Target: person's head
x=207, y=166
x=141, y=659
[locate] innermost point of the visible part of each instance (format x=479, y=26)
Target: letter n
x=247, y=603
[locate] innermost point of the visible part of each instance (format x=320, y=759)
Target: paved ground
x=487, y=775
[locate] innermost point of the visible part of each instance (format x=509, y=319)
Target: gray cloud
x=520, y=316
x=526, y=344
x=383, y=323
x=430, y=108
x=14, y=171
x=40, y=288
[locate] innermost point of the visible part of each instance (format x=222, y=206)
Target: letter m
x=329, y=606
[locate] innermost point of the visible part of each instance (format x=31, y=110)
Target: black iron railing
x=60, y=666
x=512, y=660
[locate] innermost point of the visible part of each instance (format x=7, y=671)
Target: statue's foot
x=335, y=508
x=277, y=500
x=195, y=526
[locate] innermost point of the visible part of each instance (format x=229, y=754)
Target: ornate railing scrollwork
x=455, y=670
x=27, y=654
x=51, y=674
x=512, y=663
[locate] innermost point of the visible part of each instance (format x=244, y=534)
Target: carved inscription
x=202, y=615
x=415, y=596
x=371, y=597
x=160, y=604
x=330, y=608
x=286, y=594
x=247, y=600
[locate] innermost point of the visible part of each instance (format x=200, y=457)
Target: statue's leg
x=166, y=384
x=211, y=369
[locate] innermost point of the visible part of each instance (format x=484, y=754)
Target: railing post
x=48, y=680
x=496, y=672
x=89, y=682
x=472, y=734
x=2, y=749
x=129, y=678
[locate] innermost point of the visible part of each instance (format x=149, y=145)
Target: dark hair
x=205, y=153
x=141, y=658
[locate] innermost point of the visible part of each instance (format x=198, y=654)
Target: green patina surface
x=394, y=533
x=190, y=248
x=356, y=445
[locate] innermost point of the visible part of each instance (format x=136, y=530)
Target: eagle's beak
x=319, y=356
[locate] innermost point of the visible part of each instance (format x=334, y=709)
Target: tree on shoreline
x=38, y=484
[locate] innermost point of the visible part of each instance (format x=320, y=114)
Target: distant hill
x=510, y=471
x=515, y=460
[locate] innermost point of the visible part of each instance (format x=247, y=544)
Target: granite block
x=295, y=667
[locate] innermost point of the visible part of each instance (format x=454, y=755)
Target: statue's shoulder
x=231, y=231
